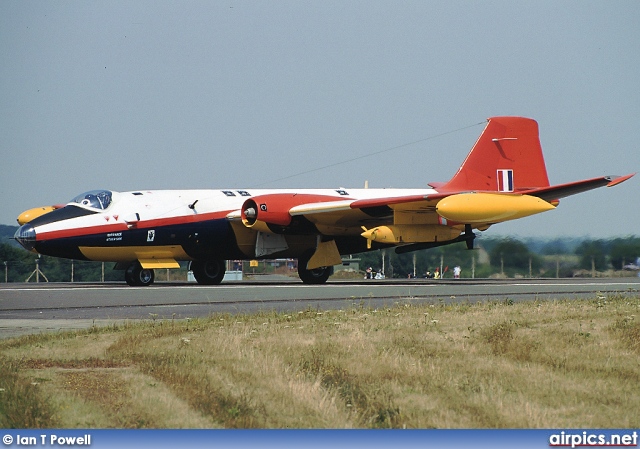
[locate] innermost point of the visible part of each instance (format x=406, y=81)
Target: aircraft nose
x=26, y=236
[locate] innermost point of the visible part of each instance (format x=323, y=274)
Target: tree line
x=510, y=257
x=507, y=257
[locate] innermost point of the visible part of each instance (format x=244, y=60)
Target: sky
x=126, y=95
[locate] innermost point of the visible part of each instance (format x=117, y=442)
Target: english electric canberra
x=503, y=178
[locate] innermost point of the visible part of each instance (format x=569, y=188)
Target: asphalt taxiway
x=45, y=307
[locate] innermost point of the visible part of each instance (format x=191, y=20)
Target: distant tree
x=427, y=259
x=371, y=259
x=592, y=253
x=514, y=255
x=20, y=264
x=556, y=246
x=624, y=251
x=7, y=233
x=401, y=265
x=16, y=262
x=488, y=243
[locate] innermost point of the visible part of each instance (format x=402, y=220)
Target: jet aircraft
x=503, y=177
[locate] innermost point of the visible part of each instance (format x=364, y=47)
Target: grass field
x=551, y=364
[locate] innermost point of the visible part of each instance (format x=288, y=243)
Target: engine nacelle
x=272, y=211
x=266, y=209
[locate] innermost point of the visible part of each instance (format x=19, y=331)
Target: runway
x=34, y=308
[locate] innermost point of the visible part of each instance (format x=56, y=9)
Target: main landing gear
x=209, y=272
x=315, y=275
x=136, y=276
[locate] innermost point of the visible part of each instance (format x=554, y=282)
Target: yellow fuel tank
x=470, y=208
x=397, y=234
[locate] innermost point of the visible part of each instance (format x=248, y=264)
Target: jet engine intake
x=256, y=211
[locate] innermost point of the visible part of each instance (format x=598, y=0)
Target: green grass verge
x=542, y=364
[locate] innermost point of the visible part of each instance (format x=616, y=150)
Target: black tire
x=210, y=272
x=314, y=276
x=136, y=276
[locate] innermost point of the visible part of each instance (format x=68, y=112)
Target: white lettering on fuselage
x=114, y=236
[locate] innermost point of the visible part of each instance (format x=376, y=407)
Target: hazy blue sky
x=202, y=94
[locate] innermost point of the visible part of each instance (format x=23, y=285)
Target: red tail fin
x=507, y=157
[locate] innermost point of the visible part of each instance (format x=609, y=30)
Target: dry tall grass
x=488, y=365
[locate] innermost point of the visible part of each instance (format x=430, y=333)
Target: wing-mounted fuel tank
x=476, y=208
x=270, y=213
x=408, y=233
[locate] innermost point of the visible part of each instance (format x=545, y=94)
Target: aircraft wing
x=416, y=201
x=348, y=216
x=339, y=215
x=452, y=208
x=420, y=203
x=461, y=207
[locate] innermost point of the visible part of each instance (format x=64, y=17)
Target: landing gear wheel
x=136, y=276
x=314, y=276
x=210, y=272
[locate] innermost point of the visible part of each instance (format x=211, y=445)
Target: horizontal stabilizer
x=562, y=190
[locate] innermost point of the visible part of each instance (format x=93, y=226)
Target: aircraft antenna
x=335, y=164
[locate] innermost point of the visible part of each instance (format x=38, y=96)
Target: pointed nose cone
x=26, y=236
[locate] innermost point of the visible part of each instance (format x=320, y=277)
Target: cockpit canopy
x=94, y=199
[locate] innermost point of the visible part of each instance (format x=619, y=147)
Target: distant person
x=457, y=271
x=436, y=274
